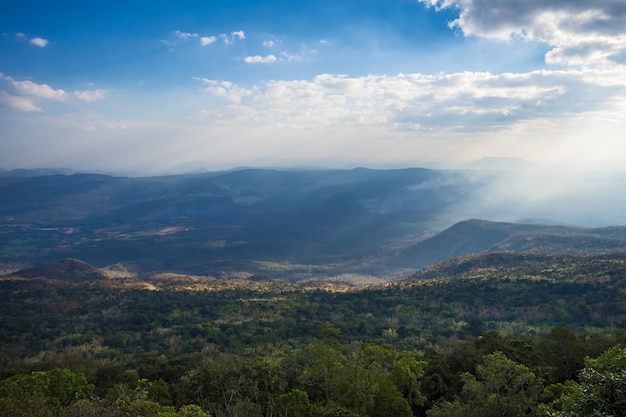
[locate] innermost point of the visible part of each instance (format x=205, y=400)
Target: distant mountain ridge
x=293, y=225
x=503, y=265
x=37, y=172
x=347, y=219
x=481, y=236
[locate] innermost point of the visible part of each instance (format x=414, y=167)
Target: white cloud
x=18, y=102
x=580, y=32
x=297, y=57
x=238, y=34
x=89, y=96
x=555, y=116
x=226, y=90
x=230, y=39
x=303, y=54
x=269, y=44
x=25, y=91
x=204, y=40
x=258, y=59
x=464, y=101
x=184, y=35
x=41, y=42
x=207, y=40
x=39, y=90
x=178, y=38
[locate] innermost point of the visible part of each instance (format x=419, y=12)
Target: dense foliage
x=489, y=376
x=501, y=335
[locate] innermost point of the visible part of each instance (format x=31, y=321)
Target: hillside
x=546, y=312
x=342, y=221
x=458, y=298
x=361, y=224
x=551, y=267
x=70, y=270
x=481, y=236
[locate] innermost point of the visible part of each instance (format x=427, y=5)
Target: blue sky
x=152, y=87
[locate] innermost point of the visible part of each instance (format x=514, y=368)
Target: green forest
x=490, y=335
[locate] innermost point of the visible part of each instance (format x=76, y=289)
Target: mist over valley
x=299, y=225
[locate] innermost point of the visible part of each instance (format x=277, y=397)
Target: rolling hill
x=481, y=236
x=72, y=270
x=459, y=298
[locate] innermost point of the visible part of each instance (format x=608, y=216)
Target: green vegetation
x=326, y=378
x=492, y=335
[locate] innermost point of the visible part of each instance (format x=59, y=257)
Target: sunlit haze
x=147, y=88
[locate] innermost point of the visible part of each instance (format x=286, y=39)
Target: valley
x=297, y=292
x=290, y=225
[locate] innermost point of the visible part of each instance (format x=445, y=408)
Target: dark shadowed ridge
x=71, y=270
x=481, y=236
x=504, y=265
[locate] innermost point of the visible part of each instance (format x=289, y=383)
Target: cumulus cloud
x=580, y=32
x=89, y=96
x=229, y=39
x=225, y=89
x=24, y=92
x=238, y=34
x=258, y=59
x=40, y=90
x=464, y=101
x=18, y=102
x=41, y=42
x=207, y=40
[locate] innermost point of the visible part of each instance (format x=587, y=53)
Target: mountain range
x=294, y=225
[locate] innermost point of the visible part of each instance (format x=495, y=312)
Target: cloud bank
x=465, y=101
x=580, y=32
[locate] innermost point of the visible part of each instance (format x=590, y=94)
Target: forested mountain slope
x=458, y=298
x=481, y=236
x=75, y=339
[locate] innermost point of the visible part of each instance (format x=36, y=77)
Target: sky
x=148, y=87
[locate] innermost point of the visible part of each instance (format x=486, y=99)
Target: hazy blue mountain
x=290, y=224
x=37, y=172
x=350, y=219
